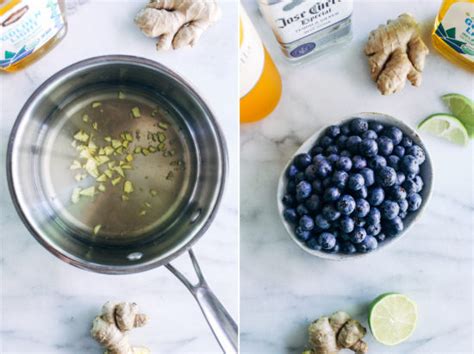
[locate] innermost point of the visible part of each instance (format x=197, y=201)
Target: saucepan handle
x=222, y=325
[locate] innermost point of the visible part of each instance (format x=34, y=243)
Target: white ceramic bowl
x=426, y=172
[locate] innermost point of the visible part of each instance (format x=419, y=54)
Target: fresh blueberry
x=326, y=182
x=419, y=183
x=290, y=215
x=385, y=145
x=352, y=143
x=399, y=151
x=344, y=164
x=417, y=152
x=291, y=171
x=335, y=249
x=359, y=125
x=393, y=227
x=380, y=237
x=299, y=177
x=306, y=222
x=288, y=200
x=414, y=201
x=315, y=150
x=361, y=193
x=386, y=176
x=356, y=181
x=333, y=131
x=301, y=209
x=410, y=186
x=312, y=203
x=345, y=153
x=368, y=175
x=368, y=244
x=368, y=148
x=362, y=208
x=302, y=234
x=323, y=168
x=303, y=190
x=318, y=158
x=331, y=194
x=406, y=142
x=348, y=248
x=333, y=158
x=339, y=179
x=403, y=204
x=345, y=129
x=325, y=141
x=376, y=196
x=369, y=134
x=331, y=213
x=375, y=126
x=358, y=162
x=374, y=216
x=409, y=164
x=403, y=214
x=302, y=161
x=341, y=141
x=358, y=235
x=322, y=222
x=327, y=240
x=346, y=204
x=398, y=193
x=291, y=187
x=377, y=162
x=313, y=244
x=400, y=178
x=395, y=134
x=346, y=224
x=374, y=230
x=310, y=173
x=333, y=149
x=393, y=161
x=317, y=185
x=389, y=209
x=359, y=222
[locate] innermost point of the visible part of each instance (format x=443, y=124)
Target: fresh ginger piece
x=396, y=53
x=177, y=23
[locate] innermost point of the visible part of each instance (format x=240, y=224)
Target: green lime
x=462, y=108
x=445, y=126
x=392, y=318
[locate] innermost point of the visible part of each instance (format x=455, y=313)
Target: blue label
x=303, y=50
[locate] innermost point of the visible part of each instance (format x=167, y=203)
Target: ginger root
x=396, y=52
x=177, y=23
x=111, y=327
x=329, y=335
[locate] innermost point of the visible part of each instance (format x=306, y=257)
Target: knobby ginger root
x=329, y=335
x=177, y=23
x=396, y=53
x=111, y=327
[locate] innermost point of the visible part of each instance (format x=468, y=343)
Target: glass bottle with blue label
x=305, y=29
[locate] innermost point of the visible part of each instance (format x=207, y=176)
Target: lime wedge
x=392, y=318
x=462, y=108
x=445, y=126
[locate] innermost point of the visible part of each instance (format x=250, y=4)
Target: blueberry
x=358, y=235
x=409, y=164
x=345, y=153
x=359, y=125
x=375, y=126
x=288, y=200
x=313, y=244
x=410, y=186
x=303, y=190
x=318, y=158
x=306, y=222
x=368, y=175
x=393, y=161
x=310, y=173
x=419, y=183
x=346, y=204
x=315, y=150
x=403, y=204
x=333, y=149
x=389, y=209
x=374, y=216
x=291, y=187
x=299, y=177
x=323, y=168
x=368, y=244
x=326, y=182
x=377, y=162
x=335, y=249
x=322, y=222
x=352, y=143
x=406, y=142
x=325, y=141
x=394, y=134
x=331, y=213
x=356, y=181
x=369, y=134
x=344, y=164
x=385, y=145
x=348, y=248
x=399, y=151
x=346, y=224
x=312, y=203
x=374, y=230
x=414, y=201
x=362, y=208
x=398, y=193
x=290, y=215
x=302, y=234
x=376, y=196
x=291, y=171
x=345, y=129
x=339, y=179
x=368, y=148
x=417, y=152
x=403, y=214
x=359, y=222
x=341, y=141
x=393, y=227
x=317, y=185
x=333, y=131
x=331, y=194
x=333, y=158
x=327, y=240
x=361, y=193
x=358, y=162
x=400, y=178
x=380, y=237
x=302, y=161
x=301, y=209
x=386, y=176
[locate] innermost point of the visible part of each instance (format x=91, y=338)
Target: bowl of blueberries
x=355, y=187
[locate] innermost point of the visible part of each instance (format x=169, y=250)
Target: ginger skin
x=396, y=53
x=110, y=329
x=329, y=335
x=177, y=23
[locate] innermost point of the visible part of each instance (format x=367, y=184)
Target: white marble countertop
x=282, y=287
x=47, y=305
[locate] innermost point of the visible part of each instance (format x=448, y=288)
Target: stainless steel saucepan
x=178, y=183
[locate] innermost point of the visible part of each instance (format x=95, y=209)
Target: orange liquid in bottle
x=260, y=81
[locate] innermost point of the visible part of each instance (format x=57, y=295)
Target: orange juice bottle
x=260, y=82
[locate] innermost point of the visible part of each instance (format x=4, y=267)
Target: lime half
x=462, y=108
x=392, y=318
x=445, y=126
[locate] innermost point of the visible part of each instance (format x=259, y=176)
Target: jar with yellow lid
x=28, y=30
